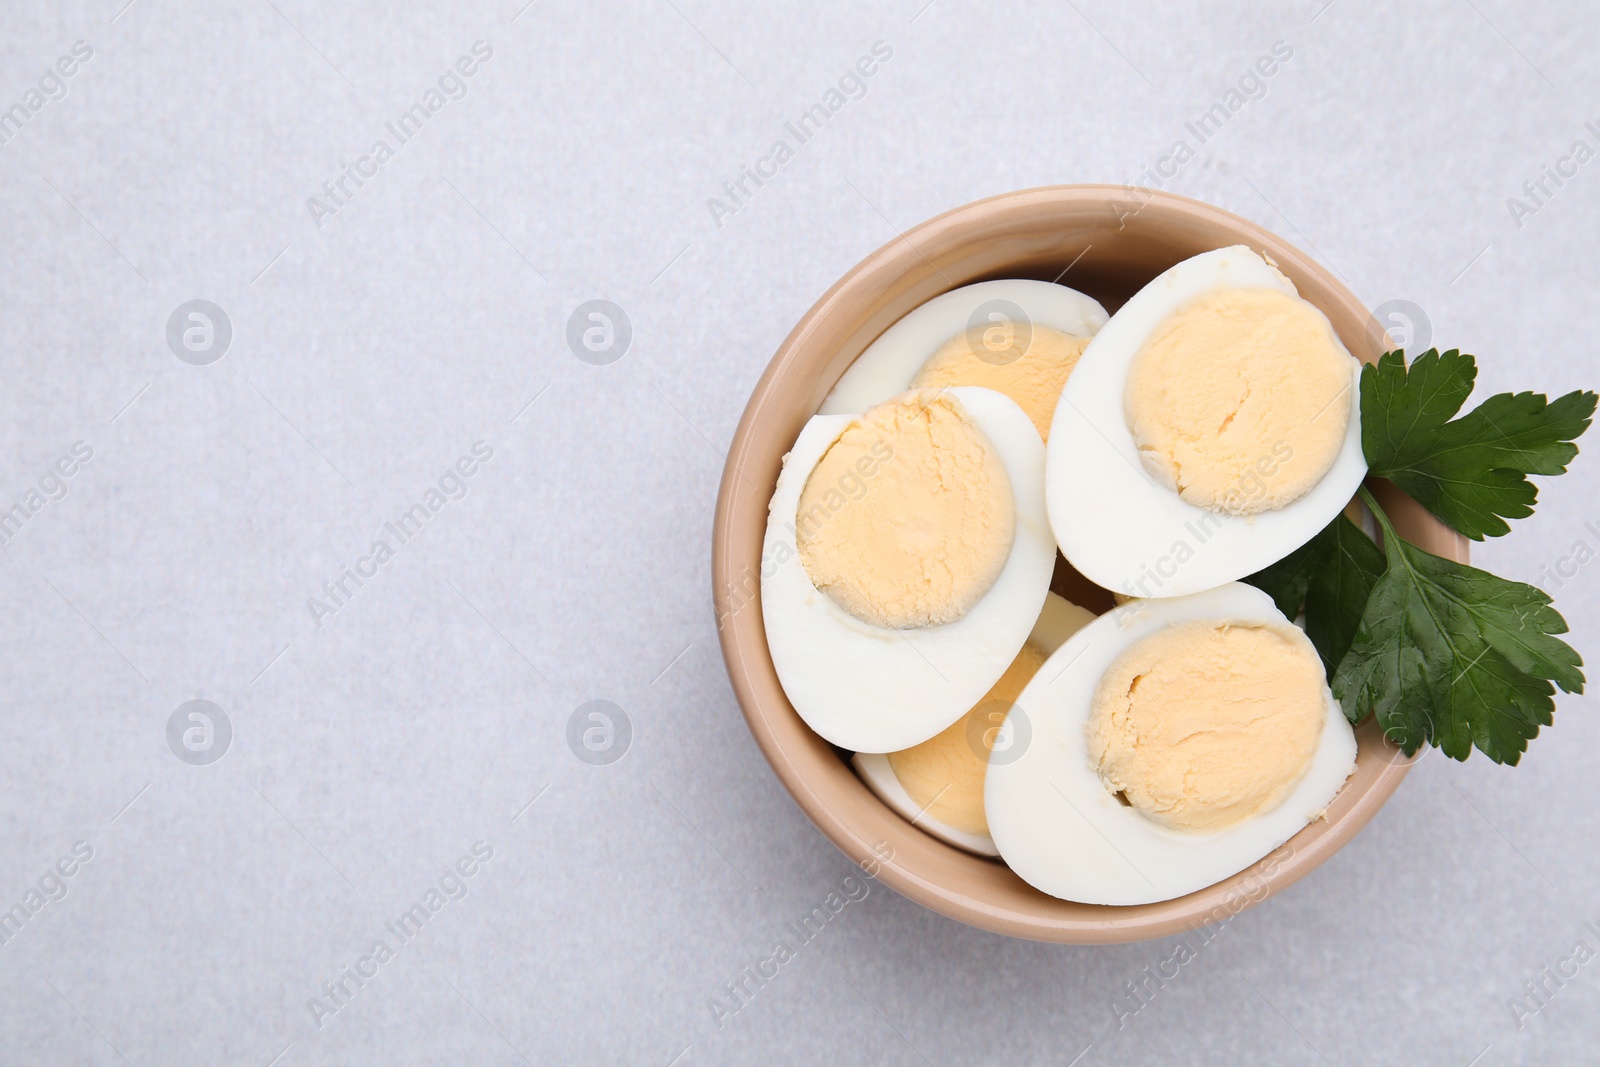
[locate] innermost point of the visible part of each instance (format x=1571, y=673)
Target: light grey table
x=378, y=330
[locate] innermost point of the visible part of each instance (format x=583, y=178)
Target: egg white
x=1058, y=620
x=871, y=689
x=890, y=362
x=1119, y=526
x=1064, y=833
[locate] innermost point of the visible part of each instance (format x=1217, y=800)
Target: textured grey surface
x=370, y=353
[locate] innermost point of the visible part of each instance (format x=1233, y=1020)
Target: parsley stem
x=1377, y=512
x=1392, y=538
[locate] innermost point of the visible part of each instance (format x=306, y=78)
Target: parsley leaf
x=1455, y=656
x=1340, y=589
x=1470, y=472
x=1330, y=575
x=1440, y=652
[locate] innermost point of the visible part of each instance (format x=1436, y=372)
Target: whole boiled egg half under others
x=1018, y=336
x=1210, y=428
x=938, y=785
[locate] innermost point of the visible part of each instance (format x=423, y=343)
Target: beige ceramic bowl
x=1107, y=241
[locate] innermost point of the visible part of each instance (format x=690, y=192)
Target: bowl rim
x=792, y=753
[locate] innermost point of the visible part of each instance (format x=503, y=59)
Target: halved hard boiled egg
x=906, y=558
x=1017, y=336
x=1210, y=428
x=938, y=785
x=1170, y=744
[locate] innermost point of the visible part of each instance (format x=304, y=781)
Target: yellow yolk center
x=1204, y=724
x=1239, y=400
x=908, y=518
x=989, y=357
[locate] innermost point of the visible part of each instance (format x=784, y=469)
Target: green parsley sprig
x=1441, y=653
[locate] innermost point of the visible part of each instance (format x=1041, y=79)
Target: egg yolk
x=1204, y=724
x=1029, y=364
x=1239, y=400
x=908, y=518
x=944, y=775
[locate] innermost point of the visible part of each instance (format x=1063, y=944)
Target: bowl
x=1107, y=241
